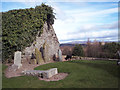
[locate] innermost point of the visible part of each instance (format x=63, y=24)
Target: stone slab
x=42, y=73
x=49, y=73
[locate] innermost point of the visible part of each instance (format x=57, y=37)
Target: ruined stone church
x=47, y=45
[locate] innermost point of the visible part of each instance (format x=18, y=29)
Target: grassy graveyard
x=82, y=74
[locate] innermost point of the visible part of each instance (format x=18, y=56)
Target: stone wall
x=47, y=43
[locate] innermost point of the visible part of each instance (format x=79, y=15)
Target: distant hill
x=78, y=42
x=83, y=43
x=67, y=44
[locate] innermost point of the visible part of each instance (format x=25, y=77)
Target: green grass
x=82, y=74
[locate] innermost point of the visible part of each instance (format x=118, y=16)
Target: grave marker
x=17, y=59
x=60, y=55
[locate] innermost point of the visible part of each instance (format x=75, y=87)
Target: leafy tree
x=109, y=50
x=78, y=50
x=93, y=50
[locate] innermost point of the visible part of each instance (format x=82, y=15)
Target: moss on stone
x=46, y=48
x=35, y=61
x=39, y=58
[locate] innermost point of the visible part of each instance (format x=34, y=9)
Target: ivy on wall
x=20, y=27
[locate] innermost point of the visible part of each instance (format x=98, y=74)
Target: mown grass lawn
x=82, y=74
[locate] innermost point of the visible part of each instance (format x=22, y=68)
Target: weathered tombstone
x=39, y=58
x=46, y=52
x=59, y=55
x=17, y=59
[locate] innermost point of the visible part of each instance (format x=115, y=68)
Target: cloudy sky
x=78, y=21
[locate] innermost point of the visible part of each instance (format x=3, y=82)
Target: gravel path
x=12, y=72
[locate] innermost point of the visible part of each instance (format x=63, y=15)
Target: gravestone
x=59, y=55
x=39, y=58
x=17, y=59
x=46, y=52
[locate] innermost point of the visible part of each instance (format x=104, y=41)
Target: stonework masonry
x=42, y=73
x=47, y=41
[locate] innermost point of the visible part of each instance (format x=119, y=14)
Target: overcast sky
x=78, y=21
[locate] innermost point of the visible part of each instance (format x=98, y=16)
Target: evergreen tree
x=78, y=50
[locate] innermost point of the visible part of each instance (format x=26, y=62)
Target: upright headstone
x=39, y=58
x=46, y=52
x=60, y=55
x=17, y=59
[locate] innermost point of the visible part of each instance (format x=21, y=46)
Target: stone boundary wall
x=91, y=58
